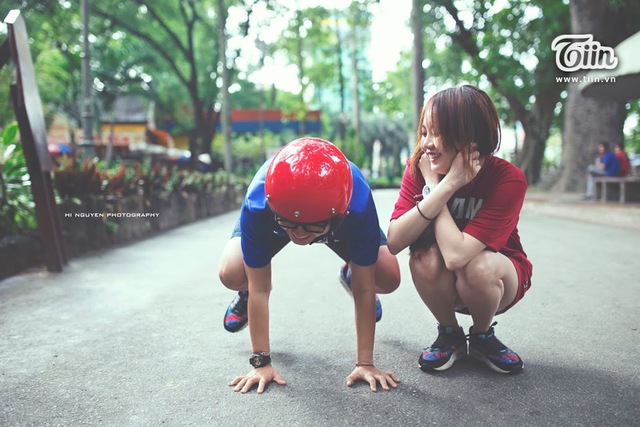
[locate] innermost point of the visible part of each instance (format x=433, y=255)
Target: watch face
x=259, y=360
x=426, y=190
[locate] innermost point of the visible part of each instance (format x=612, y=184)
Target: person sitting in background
x=606, y=164
x=623, y=159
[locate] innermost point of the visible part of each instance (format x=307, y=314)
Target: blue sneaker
x=345, y=280
x=488, y=349
x=236, y=318
x=450, y=345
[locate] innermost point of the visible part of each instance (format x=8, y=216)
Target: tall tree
x=417, y=70
x=309, y=42
x=342, y=120
x=183, y=37
x=226, y=81
x=171, y=31
x=55, y=51
x=510, y=47
x=590, y=121
x=359, y=22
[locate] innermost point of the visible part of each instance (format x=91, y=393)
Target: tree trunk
x=537, y=124
x=195, y=139
x=342, y=127
x=590, y=121
x=587, y=122
x=226, y=99
x=534, y=144
x=302, y=114
x=416, y=62
x=355, y=84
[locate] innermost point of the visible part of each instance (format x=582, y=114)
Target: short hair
x=460, y=116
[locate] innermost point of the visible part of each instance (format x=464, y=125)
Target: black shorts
x=278, y=242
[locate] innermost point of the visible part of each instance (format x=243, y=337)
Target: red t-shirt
x=625, y=164
x=487, y=208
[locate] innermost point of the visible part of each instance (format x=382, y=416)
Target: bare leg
x=486, y=285
x=387, y=272
x=435, y=284
x=231, y=271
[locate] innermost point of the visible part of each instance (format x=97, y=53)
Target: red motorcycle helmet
x=309, y=180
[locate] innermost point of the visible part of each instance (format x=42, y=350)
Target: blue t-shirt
x=611, y=164
x=360, y=228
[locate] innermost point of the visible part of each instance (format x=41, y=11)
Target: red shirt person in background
x=623, y=158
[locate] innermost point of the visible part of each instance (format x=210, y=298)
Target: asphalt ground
x=133, y=336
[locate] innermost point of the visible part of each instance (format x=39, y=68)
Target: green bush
x=17, y=213
x=78, y=182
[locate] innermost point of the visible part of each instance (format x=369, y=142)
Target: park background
x=169, y=107
x=130, y=332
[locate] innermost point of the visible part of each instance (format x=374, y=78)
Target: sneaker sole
x=237, y=330
x=481, y=358
x=455, y=356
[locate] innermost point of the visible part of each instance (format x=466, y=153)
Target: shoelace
x=491, y=342
x=240, y=306
x=443, y=341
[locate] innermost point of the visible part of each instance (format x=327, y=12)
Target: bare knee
x=480, y=272
x=231, y=271
x=387, y=272
x=427, y=266
x=232, y=277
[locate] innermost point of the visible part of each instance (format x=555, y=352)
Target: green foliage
x=78, y=182
x=385, y=182
x=251, y=150
x=632, y=137
x=17, y=214
x=512, y=47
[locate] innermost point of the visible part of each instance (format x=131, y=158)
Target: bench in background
x=621, y=188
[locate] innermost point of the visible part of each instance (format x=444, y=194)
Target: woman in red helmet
x=308, y=193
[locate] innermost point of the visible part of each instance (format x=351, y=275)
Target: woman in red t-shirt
x=467, y=257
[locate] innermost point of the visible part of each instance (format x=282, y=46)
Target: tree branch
x=245, y=26
x=172, y=35
x=465, y=38
x=161, y=50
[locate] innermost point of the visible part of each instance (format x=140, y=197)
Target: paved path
x=133, y=337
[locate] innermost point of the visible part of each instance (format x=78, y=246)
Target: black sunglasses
x=311, y=227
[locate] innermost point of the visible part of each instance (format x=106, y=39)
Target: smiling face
x=300, y=236
x=451, y=121
x=440, y=157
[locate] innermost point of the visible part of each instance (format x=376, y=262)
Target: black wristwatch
x=258, y=360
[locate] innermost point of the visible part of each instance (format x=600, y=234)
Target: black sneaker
x=450, y=345
x=488, y=349
x=345, y=279
x=236, y=317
